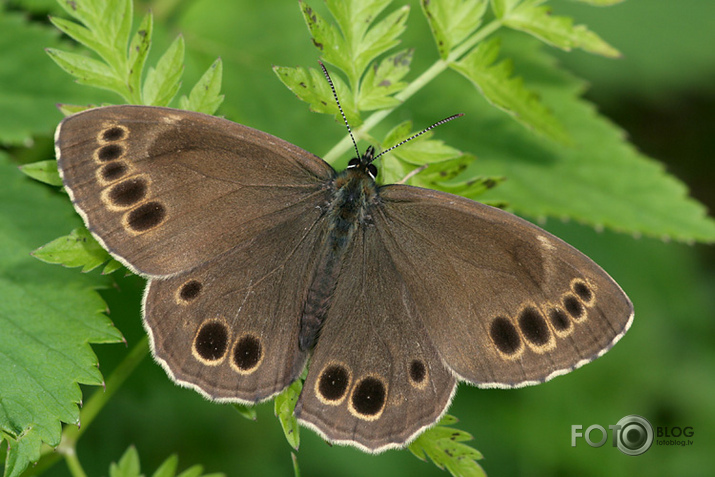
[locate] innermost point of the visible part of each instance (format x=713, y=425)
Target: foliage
x=49, y=316
x=129, y=466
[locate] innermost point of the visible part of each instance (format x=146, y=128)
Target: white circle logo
x=634, y=435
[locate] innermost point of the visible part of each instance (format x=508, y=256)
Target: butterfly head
x=364, y=163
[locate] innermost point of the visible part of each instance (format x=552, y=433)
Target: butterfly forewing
x=166, y=190
x=506, y=303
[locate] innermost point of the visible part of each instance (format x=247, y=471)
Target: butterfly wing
x=375, y=380
x=222, y=218
x=438, y=289
x=505, y=303
x=229, y=328
x=166, y=190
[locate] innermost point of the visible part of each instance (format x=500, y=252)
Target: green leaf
x=43, y=171
x=383, y=80
x=162, y=83
x=48, y=317
x=600, y=180
x=87, y=70
x=22, y=450
x=361, y=40
x=449, y=176
x=381, y=37
x=357, y=41
x=502, y=7
x=70, y=109
x=120, y=14
x=284, y=404
x=109, y=22
x=533, y=18
x=205, y=97
x=351, y=47
x=324, y=35
x=452, y=21
x=107, y=28
x=84, y=11
x=443, y=445
x=197, y=471
x=420, y=151
x=78, y=249
x=249, y=412
x=128, y=465
x=311, y=86
x=508, y=93
x=111, y=267
x=138, y=51
x=167, y=468
x=424, y=150
x=392, y=169
x=398, y=133
x=75, y=31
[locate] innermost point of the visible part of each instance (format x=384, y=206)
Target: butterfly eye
x=372, y=170
x=354, y=162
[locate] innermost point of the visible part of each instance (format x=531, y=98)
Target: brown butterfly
x=260, y=258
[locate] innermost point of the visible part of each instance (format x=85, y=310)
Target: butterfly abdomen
x=349, y=206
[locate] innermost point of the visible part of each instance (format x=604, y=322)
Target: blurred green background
x=662, y=92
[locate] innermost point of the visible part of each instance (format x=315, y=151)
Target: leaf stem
x=421, y=81
x=114, y=382
x=73, y=463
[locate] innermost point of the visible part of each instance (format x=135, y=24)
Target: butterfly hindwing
x=229, y=328
x=375, y=380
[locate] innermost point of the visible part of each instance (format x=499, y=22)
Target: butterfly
x=261, y=260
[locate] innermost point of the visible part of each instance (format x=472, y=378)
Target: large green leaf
x=48, y=318
x=600, y=180
x=507, y=92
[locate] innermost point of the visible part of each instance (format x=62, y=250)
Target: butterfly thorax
x=353, y=195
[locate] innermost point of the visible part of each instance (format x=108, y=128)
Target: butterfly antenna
x=335, y=95
x=445, y=120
